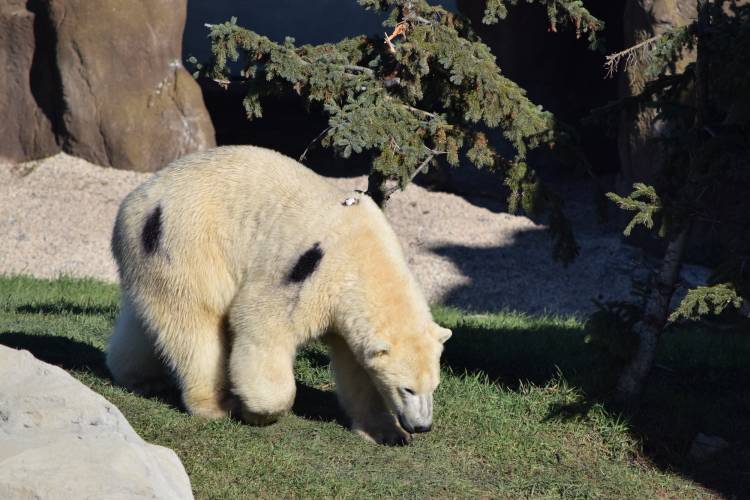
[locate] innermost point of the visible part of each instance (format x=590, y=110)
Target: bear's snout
x=416, y=412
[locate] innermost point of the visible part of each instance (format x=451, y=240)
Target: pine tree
x=706, y=178
x=428, y=91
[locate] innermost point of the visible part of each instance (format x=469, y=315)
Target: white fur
x=215, y=302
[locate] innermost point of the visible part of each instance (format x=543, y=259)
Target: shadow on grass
x=314, y=404
x=700, y=385
x=316, y=358
x=61, y=307
x=513, y=355
x=66, y=353
x=72, y=355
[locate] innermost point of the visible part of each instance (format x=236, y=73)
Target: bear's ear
x=377, y=349
x=443, y=334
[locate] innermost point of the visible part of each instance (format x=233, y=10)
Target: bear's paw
x=382, y=429
x=259, y=419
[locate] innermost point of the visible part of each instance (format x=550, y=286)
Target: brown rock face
x=109, y=81
x=26, y=128
x=640, y=157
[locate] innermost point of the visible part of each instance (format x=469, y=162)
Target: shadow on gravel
x=523, y=276
x=699, y=385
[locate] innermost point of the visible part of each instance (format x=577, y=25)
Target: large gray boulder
x=59, y=439
x=103, y=79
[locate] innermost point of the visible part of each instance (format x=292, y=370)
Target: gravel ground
x=56, y=217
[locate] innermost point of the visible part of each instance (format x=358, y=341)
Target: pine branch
x=422, y=95
x=478, y=92
x=526, y=191
x=558, y=11
x=643, y=201
x=704, y=300
x=658, y=52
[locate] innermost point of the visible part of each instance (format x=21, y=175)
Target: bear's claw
x=153, y=386
x=259, y=419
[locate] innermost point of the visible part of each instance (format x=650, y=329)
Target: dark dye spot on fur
x=306, y=264
x=152, y=231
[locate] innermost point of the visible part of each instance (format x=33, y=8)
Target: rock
x=704, y=447
x=59, y=439
x=129, y=102
x=641, y=157
x=108, y=79
x=26, y=129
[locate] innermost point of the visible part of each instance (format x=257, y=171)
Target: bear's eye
x=410, y=391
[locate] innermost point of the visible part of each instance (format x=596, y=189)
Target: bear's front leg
x=261, y=370
x=360, y=398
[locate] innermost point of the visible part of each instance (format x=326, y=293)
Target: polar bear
x=231, y=259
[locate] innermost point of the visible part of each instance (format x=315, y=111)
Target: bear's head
x=405, y=367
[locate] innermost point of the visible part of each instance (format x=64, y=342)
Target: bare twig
x=304, y=153
x=391, y=47
x=359, y=69
x=422, y=166
x=224, y=84
x=399, y=30
x=419, y=19
x=420, y=111
x=631, y=55
x=435, y=152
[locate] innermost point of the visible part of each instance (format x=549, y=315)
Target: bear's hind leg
x=131, y=356
x=360, y=398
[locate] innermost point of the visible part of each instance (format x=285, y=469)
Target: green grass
x=516, y=414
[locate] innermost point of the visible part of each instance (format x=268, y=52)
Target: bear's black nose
x=423, y=428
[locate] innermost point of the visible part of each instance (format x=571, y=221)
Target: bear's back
x=237, y=210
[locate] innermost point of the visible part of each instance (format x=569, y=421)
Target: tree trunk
x=654, y=318
x=701, y=65
x=656, y=311
x=376, y=188
x=376, y=182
